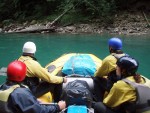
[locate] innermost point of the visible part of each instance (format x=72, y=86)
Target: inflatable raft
x=74, y=63
x=76, y=67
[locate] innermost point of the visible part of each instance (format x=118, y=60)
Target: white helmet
x=29, y=47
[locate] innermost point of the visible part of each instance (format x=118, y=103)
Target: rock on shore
x=126, y=24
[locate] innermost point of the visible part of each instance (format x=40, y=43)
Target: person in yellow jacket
x=130, y=94
x=105, y=76
x=38, y=79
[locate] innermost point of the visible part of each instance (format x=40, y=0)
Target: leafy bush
x=38, y=9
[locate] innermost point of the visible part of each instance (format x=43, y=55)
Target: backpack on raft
x=77, y=93
x=82, y=65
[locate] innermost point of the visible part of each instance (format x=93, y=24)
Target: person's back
x=38, y=79
x=126, y=94
x=109, y=62
x=17, y=98
x=105, y=76
x=21, y=100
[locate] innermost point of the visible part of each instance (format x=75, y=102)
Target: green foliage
x=73, y=18
x=23, y=9
x=51, y=17
x=5, y=10
x=7, y=22
x=51, y=9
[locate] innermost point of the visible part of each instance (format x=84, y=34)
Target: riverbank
x=125, y=24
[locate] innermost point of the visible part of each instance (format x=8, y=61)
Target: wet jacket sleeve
x=120, y=92
x=23, y=101
x=34, y=69
x=42, y=73
x=108, y=65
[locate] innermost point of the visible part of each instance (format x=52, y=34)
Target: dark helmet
x=129, y=64
x=115, y=43
x=16, y=71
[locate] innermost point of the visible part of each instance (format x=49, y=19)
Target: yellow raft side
x=46, y=98
x=58, y=63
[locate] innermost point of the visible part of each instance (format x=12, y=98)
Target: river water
x=51, y=46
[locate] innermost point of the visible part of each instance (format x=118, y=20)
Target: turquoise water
x=51, y=46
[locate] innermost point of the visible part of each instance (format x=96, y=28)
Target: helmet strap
x=28, y=54
x=11, y=82
x=111, y=49
x=137, y=78
x=124, y=73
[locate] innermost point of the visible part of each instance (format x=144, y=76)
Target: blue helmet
x=128, y=63
x=115, y=43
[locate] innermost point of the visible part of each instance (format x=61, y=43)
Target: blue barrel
x=77, y=109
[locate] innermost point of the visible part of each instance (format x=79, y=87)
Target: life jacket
x=112, y=77
x=142, y=104
x=117, y=56
x=4, y=95
x=31, y=82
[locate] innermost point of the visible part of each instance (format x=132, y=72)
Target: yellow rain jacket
x=108, y=65
x=122, y=92
x=34, y=69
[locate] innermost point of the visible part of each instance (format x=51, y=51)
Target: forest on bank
x=77, y=10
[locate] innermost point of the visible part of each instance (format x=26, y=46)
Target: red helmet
x=16, y=71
